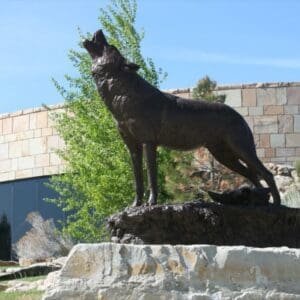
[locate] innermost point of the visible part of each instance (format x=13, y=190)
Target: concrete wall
x=272, y=111
x=28, y=139
x=27, y=145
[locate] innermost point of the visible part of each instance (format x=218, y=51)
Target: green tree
x=98, y=180
x=205, y=90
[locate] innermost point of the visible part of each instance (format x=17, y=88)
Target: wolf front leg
x=150, y=150
x=136, y=153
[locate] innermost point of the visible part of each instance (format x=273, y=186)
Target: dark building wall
x=20, y=197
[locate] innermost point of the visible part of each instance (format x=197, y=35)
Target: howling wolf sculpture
x=148, y=117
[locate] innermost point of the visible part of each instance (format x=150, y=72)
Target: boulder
x=207, y=223
x=125, y=271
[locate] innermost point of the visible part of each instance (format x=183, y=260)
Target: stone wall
x=28, y=139
x=272, y=111
x=27, y=144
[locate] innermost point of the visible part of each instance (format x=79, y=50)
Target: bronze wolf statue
x=148, y=117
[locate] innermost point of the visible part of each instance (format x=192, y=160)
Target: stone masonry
x=28, y=143
x=272, y=111
x=28, y=139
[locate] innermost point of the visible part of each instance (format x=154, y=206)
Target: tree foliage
x=98, y=179
x=205, y=89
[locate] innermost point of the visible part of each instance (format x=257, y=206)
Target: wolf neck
x=112, y=88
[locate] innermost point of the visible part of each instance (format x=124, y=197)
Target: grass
x=31, y=295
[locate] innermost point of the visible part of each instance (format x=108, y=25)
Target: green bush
x=297, y=167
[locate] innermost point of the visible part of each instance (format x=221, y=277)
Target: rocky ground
x=14, y=278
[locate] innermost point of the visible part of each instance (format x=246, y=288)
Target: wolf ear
x=129, y=66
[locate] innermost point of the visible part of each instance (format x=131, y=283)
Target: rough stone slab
x=249, y=97
x=293, y=95
x=271, y=96
x=119, y=271
x=293, y=140
x=233, y=97
x=266, y=124
x=207, y=223
x=277, y=140
x=297, y=123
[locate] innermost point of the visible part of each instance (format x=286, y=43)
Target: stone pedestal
x=111, y=271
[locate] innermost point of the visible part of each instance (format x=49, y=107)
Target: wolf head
x=106, y=58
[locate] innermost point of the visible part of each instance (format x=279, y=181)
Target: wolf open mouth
x=96, y=45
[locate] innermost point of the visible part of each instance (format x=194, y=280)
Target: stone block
x=47, y=131
x=42, y=119
x=285, y=152
x=15, y=149
x=24, y=135
x=292, y=159
x=256, y=111
x=250, y=122
x=256, y=139
x=269, y=152
x=292, y=139
x=291, y=109
x=5, y=165
x=53, y=142
x=3, y=151
x=37, y=145
x=32, y=121
x=298, y=152
x=285, y=124
x=260, y=152
x=273, y=110
x=243, y=111
x=25, y=148
x=297, y=123
x=38, y=172
x=14, y=164
x=20, y=123
x=42, y=160
x=271, y=96
x=52, y=170
x=249, y=97
x=7, y=125
x=277, y=140
x=233, y=97
x=293, y=95
x=26, y=162
x=264, y=140
x=278, y=160
x=54, y=159
x=6, y=176
x=266, y=124
x=12, y=137
x=37, y=133
x=23, y=174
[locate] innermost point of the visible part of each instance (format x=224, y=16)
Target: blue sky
x=231, y=41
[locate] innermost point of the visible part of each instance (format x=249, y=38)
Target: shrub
x=5, y=238
x=297, y=167
x=42, y=241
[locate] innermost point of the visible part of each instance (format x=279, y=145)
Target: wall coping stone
x=31, y=110
x=241, y=86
